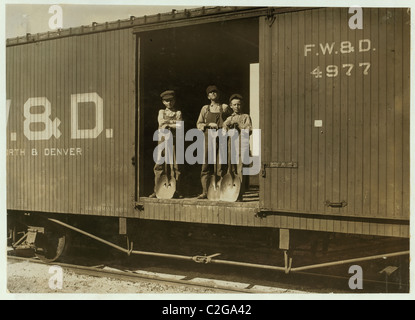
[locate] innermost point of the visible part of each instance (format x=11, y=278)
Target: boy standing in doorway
x=211, y=117
x=167, y=119
x=239, y=121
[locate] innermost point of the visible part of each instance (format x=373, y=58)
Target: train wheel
x=51, y=245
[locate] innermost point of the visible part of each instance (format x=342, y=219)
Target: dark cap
x=166, y=95
x=211, y=89
x=235, y=96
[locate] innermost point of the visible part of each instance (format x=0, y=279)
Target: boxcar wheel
x=51, y=245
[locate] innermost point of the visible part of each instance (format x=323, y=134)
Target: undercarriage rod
x=209, y=259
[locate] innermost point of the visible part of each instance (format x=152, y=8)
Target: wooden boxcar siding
x=99, y=178
x=361, y=153
x=246, y=214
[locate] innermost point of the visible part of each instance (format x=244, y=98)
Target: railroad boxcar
x=330, y=97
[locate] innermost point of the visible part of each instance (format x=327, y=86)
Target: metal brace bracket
x=130, y=246
x=205, y=259
x=288, y=260
x=271, y=17
x=139, y=206
x=278, y=164
x=336, y=204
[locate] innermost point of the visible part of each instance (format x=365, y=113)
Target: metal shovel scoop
x=213, y=192
x=230, y=187
x=230, y=184
x=166, y=185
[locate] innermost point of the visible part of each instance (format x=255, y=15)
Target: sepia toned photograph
x=202, y=150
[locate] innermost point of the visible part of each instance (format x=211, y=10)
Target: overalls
x=208, y=169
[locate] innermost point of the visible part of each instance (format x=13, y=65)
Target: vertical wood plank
x=365, y=227
x=367, y=121
x=344, y=151
x=296, y=223
x=57, y=193
x=353, y=119
x=263, y=53
x=337, y=226
x=65, y=85
x=40, y=90
x=286, y=100
x=86, y=166
x=323, y=225
x=328, y=118
x=316, y=82
x=374, y=112
x=321, y=133
x=78, y=186
x=398, y=111
x=382, y=87
x=309, y=66
x=295, y=98
x=388, y=230
x=406, y=85
x=123, y=105
x=267, y=85
x=12, y=87
x=330, y=225
x=118, y=157
x=358, y=227
x=334, y=190
x=16, y=117
x=390, y=113
x=221, y=217
x=301, y=114
x=278, y=115
x=351, y=227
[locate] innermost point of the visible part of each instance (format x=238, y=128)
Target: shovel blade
x=166, y=187
x=213, y=192
x=230, y=188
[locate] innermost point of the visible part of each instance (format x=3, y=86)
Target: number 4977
x=333, y=70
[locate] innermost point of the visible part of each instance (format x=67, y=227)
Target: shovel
x=213, y=192
x=230, y=184
x=166, y=185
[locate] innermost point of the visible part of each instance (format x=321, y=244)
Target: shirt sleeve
x=179, y=116
x=202, y=118
x=247, y=123
x=161, y=120
x=228, y=122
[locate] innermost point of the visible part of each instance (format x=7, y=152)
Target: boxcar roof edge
x=157, y=21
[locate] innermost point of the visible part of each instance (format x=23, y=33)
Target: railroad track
x=239, y=279
x=219, y=286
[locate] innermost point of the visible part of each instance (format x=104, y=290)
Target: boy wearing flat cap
x=239, y=121
x=211, y=117
x=167, y=119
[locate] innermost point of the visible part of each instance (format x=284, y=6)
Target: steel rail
x=135, y=277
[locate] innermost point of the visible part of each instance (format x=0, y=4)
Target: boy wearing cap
x=167, y=119
x=239, y=121
x=211, y=117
